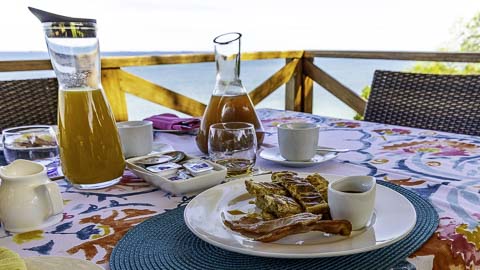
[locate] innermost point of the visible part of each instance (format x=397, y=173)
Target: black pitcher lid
x=45, y=16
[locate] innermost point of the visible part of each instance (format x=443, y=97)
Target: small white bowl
x=352, y=198
x=196, y=183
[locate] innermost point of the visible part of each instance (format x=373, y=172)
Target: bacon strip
x=272, y=230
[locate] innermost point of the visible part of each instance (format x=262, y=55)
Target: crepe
x=305, y=194
x=264, y=188
x=319, y=183
x=277, y=176
x=278, y=205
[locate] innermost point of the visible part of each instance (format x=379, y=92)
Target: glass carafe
x=230, y=101
x=90, y=149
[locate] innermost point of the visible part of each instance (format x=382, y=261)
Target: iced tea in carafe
x=230, y=101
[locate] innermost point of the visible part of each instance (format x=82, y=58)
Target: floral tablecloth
x=442, y=167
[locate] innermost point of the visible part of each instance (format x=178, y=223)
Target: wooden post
x=337, y=89
x=307, y=89
x=293, y=89
x=280, y=77
x=116, y=97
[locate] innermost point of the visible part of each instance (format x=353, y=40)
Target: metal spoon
x=177, y=156
x=174, y=156
x=333, y=150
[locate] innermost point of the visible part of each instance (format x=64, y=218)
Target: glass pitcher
x=230, y=101
x=90, y=149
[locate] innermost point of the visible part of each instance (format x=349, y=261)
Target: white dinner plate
x=273, y=154
x=394, y=217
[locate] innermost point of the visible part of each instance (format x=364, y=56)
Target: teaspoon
x=333, y=150
x=174, y=156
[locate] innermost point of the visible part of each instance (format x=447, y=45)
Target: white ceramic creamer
x=28, y=199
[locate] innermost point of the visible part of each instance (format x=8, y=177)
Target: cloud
x=145, y=25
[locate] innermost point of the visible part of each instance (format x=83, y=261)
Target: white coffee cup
x=298, y=141
x=136, y=137
x=352, y=198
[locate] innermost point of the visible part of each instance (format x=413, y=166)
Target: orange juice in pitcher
x=90, y=150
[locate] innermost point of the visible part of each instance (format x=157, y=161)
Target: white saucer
x=273, y=154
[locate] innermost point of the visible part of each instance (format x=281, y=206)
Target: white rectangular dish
x=196, y=183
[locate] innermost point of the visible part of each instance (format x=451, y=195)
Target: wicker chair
x=28, y=102
x=440, y=102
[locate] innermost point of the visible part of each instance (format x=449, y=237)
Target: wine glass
x=233, y=145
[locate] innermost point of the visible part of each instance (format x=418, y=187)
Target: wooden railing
x=298, y=73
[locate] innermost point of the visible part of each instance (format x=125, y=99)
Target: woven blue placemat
x=165, y=242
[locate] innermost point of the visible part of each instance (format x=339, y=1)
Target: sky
x=191, y=25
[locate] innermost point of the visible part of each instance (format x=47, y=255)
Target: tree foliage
x=445, y=68
x=469, y=41
x=470, y=36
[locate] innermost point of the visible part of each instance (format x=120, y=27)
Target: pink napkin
x=168, y=121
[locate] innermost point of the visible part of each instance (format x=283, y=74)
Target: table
x=442, y=167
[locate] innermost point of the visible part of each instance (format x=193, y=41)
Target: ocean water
x=197, y=80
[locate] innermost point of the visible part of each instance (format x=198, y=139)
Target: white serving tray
x=197, y=183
